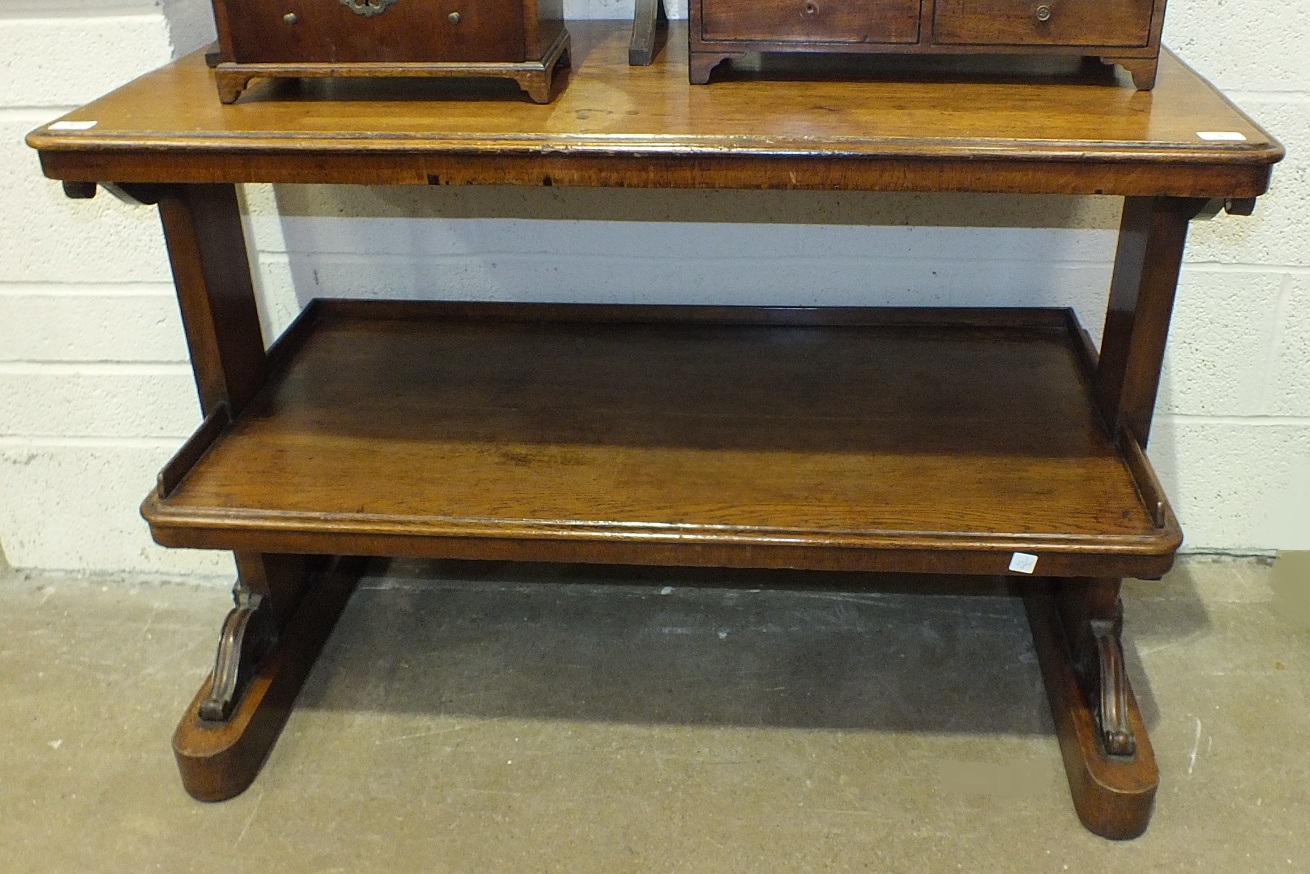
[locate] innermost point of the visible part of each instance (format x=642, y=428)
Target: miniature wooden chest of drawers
x=1125, y=32
x=516, y=39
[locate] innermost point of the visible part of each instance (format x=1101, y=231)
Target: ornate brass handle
x=367, y=8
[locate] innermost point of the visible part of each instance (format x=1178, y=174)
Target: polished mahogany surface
x=893, y=127
x=942, y=430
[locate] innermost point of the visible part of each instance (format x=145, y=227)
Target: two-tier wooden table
x=950, y=441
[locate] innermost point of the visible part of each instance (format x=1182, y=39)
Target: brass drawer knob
x=454, y=18
x=291, y=18
x=1043, y=13
x=811, y=9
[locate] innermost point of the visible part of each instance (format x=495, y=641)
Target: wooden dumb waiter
x=978, y=440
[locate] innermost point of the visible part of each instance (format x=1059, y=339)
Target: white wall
x=1233, y=443
x=95, y=392
x=94, y=389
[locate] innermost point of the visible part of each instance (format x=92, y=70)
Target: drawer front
x=1044, y=22
x=413, y=31
x=810, y=21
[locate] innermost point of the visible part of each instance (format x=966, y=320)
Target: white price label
x=1023, y=562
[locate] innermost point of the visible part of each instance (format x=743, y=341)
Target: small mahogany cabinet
x=521, y=40
x=1125, y=32
x=973, y=441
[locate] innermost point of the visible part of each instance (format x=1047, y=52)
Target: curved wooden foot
x=1141, y=69
x=218, y=760
x=249, y=635
x=230, y=84
x=700, y=64
x=537, y=82
x=1112, y=793
x=1105, y=682
x=536, y=85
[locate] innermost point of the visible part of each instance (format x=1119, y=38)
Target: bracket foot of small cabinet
x=1123, y=32
x=522, y=40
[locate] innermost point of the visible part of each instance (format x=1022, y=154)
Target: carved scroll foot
x=1113, y=787
x=1106, y=684
x=220, y=759
x=249, y=635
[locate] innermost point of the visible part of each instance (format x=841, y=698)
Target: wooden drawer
x=810, y=21
x=407, y=31
x=1043, y=22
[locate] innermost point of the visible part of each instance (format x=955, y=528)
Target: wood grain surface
x=810, y=21
x=1113, y=796
x=1070, y=22
x=542, y=423
x=888, y=127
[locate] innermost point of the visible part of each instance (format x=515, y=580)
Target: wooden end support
x=220, y=759
x=1113, y=789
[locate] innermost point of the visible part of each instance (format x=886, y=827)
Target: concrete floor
x=478, y=718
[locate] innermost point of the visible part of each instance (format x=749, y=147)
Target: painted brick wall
x=95, y=392
x=94, y=389
x=1233, y=440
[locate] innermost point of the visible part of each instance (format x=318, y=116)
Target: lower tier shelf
x=888, y=439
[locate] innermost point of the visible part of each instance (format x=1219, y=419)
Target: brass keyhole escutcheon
x=1043, y=13
x=811, y=9
x=454, y=18
x=367, y=8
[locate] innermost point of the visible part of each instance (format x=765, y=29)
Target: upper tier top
x=890, y=124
